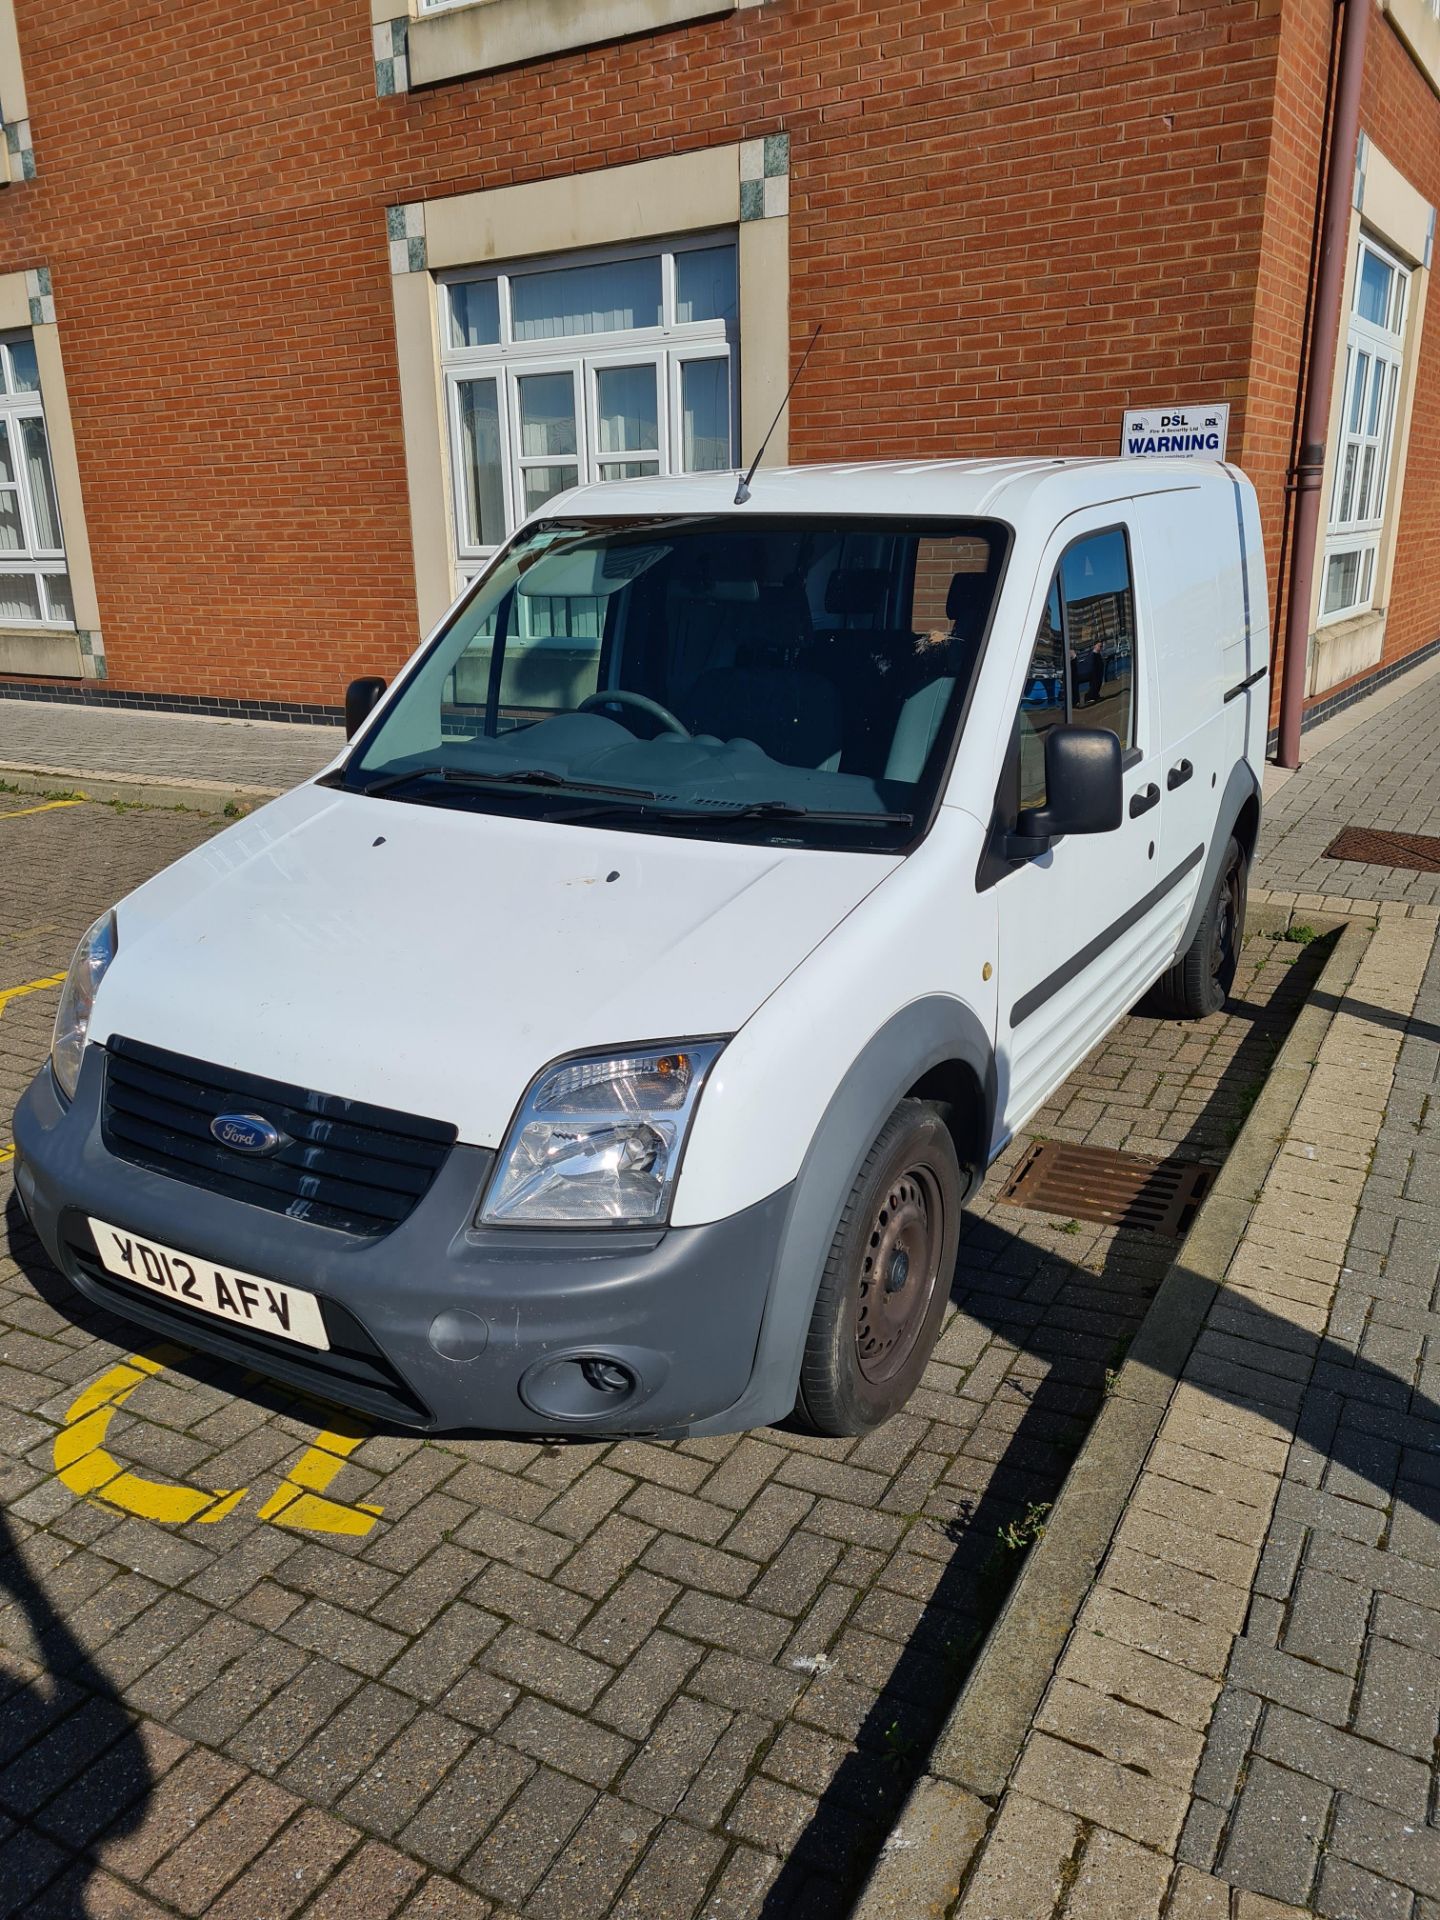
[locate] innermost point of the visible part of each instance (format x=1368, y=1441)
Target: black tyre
x=1200, y=980
x=883, y=1292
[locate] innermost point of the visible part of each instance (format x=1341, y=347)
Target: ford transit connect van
x=608, y=1041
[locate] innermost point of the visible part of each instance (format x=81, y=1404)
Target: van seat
x=793, y=716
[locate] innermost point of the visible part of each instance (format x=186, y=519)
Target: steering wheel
x=617, y=696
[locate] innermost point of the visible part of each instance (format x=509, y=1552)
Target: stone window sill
x=487, y=34
x=1343, y=648
x=51, y=652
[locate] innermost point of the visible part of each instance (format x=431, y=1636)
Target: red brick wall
x=1015, y=221
x=1402, y=117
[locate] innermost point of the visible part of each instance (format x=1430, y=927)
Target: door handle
x=1143, y=801
x=1177, y=776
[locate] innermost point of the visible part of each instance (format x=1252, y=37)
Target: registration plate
x=265, y=1306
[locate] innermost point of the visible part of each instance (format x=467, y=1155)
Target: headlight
x=599, y=1139
x=72, y=1022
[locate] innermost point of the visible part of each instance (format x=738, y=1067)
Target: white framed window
x=34, y=580
x=585, y=367
x=1374, y=356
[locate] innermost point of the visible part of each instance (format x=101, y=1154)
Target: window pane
x=1367, y=468
x=12, y=532
x=609, y=298
x=7, y=468
x=705, y=415
x=474, y=313
x=629, y=469
x=1372, y=293
x=1347, y=483
x=19, y=596
x=1100, y=628
x=1377, y=395
x=23, y=368
x=39, y=482
x=627, y=409
x=1342, y=578
x=547, y=414
x=57, y=592
x=543, y=483
x=480, y=477
x=705, y=286
x=1042, y=700
x=1357, y=392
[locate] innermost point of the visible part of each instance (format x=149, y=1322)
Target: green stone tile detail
x=394, y=223
x=37, y=313
x=42, y=280
x=417, y=255
x=752, y=199
x=384, y=78
x=777, y=154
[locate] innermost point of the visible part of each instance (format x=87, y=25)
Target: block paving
x=565, y=1681
x=1243, y=1722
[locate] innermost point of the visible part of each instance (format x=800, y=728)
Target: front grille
x=342, y=1164
x=353, y=1373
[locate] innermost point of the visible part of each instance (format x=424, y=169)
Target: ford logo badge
x=245, y=1132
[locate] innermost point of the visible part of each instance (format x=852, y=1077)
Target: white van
x=608, y=1041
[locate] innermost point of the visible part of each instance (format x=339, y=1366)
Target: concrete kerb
x=924, y=1863
x=198, y=796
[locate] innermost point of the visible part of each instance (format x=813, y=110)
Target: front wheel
x=883, y=1292
x=1200, y=980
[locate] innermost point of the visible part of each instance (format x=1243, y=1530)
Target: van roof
x=940, y=488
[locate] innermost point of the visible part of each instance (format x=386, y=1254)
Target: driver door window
x=1044, y=699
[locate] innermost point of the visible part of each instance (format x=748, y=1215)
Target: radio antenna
x=742, y=492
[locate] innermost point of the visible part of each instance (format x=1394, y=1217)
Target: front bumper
x=437, y=1325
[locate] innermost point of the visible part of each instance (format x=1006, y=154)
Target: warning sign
x=1176, y=433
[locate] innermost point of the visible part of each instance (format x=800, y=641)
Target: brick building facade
x=256, y=261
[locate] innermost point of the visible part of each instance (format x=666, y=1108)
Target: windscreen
x=727, y=676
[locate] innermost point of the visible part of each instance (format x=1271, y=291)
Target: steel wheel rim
x=1227, y=927
x=899, y=1268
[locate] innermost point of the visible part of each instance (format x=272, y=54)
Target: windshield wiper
x=505, y=777
x=751, y=810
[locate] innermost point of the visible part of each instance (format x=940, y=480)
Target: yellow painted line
x=7, y=994
x=50, y=806
x=7, y=1154
x=89, y=1471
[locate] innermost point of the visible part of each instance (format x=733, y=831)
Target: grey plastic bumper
x=436, y=1325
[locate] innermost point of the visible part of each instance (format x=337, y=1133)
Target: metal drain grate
x=1420, y=851
x=1113, y=1189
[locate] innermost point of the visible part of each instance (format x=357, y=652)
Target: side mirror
x=361, y=699
x=1084, y=787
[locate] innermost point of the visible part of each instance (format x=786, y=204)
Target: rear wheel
x=1200, y=980
x=883, y=1292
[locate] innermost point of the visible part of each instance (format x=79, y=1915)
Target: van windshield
x=789, y=679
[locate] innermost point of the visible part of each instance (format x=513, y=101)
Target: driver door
x=1080, y=931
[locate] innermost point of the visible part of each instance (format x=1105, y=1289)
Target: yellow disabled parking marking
x=49, y=806
x=297, y=1501
x=90, y=1471
x=86, y=1468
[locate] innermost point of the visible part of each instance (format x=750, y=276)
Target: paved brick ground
x=1243, y=1720
x=1381, y=773
x=1317, y=1782
x=69, y=740
x=550, y=1681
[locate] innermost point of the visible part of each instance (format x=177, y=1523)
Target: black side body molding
x=1045, y=989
